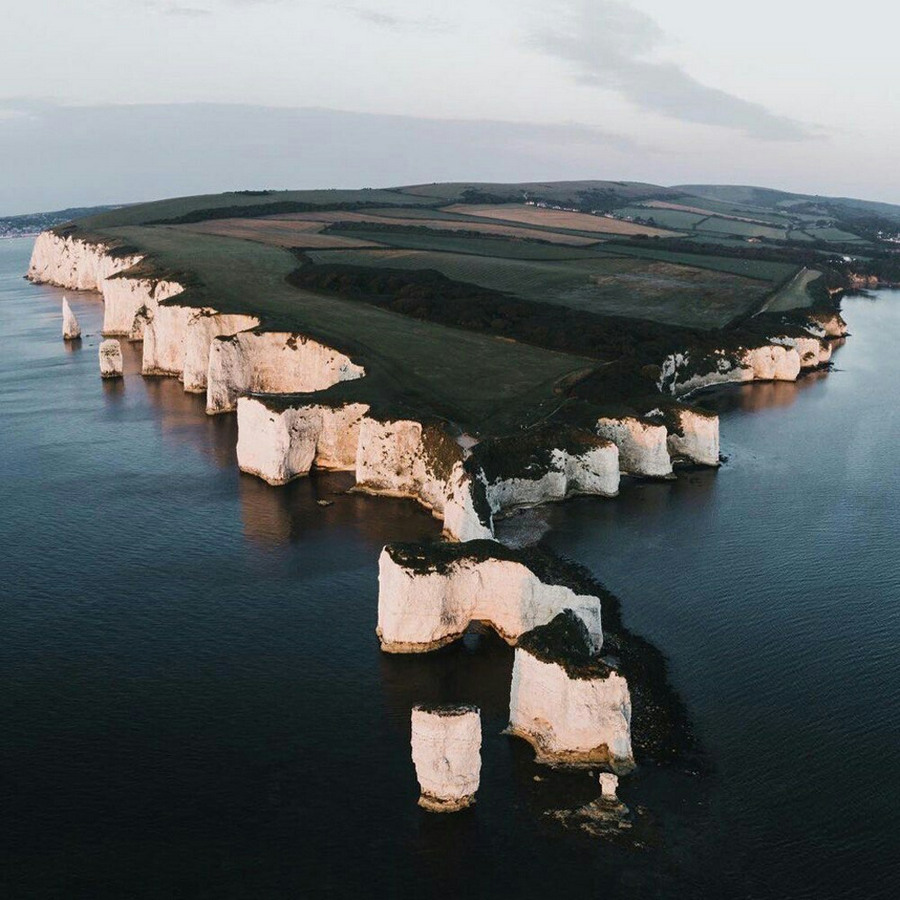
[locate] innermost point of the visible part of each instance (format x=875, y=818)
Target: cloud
x=382, y=19
x=607, y=44
x=177, y=9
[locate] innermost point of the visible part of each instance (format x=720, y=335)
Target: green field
x=491, y=329
x=675, y=219
x=795, y=294
x=665, y=292
x=477, y=380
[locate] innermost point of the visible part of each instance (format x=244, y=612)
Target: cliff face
x=421, y=609
x=279, y=446
x=642, y=446
x=570, y=720
x=446, y=751
x=203, y=326
x=768, y=362
x=73, y=263
x=271, y=362
x=164, y=340
x=698, y=440
x=124, y=298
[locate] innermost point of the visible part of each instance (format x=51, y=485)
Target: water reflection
x=287, y=514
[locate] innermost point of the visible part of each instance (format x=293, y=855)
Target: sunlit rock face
x=403, y=458
x=772, y=362
x=643, y=448
x=829, y=324
x=467, y=512
x=428, y=594
x=110, y=359
x=74, y=263
x=813, y=351
x=124, y=298
x=682, y=375
x=164, y=335
x=694, y=437
x=279, y=445
x=71, y=330
x=446, y=751
x=201, y=328
x=272, y=362
x=572, y=708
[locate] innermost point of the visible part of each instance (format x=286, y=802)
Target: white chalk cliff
x=571, y=713
x=769, y=362
x=71, y=330
x=446, y=751
x=695, y=437
x=643, y=448
x=124, y=298
x=429, y=594
x=279, y=445
x=271, y=362
x=74, y=263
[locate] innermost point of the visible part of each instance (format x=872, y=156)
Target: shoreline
x=282, y=434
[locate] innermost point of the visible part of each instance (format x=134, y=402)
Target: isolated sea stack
x=71, y=330
x=446, y=751
x=110, y=359
x=567, y=703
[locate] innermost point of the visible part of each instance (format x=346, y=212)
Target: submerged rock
x=571, y=707
x=71, y=330
x=428, y=594
x=110, y=359
x=446, y=751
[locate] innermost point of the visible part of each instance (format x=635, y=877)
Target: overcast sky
x=117, y=100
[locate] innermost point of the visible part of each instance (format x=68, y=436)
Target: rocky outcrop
x=125, y=297
x=110, y=359
x=826, y=323
x=405, y=458
x=71, y=330
x=280, y=444
x=541, y=466
x=446, y=751
x=202, y=327
x=609, y=784
x=274, y=362
x=772, y=362
x=74, y=263
x=571, y=707
x=643, y=448
x=428, y=594
x=693, y=436
x=398, y=457
x=682, y=374
x=813, y=351
x=164, y=335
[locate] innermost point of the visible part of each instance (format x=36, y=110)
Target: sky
x=108, y=101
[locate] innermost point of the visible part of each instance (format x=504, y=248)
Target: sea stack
x=568, y=704
x=110, y=359
x=71, y=330
x=446, y=751
x=429, y=593
x=608, y=785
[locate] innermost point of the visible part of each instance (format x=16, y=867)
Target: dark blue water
x=194, y=704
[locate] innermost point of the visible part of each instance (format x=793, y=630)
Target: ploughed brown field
x=277, y=233
x=487, y=228
x=557, y=218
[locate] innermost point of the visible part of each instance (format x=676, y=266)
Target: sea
x=193, y=703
